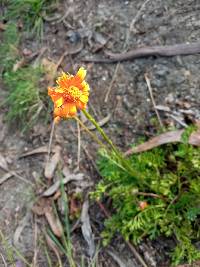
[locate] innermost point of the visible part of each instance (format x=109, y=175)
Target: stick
x=152, y=99
x=162, y=51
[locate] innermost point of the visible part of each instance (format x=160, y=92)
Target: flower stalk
x=109, y=141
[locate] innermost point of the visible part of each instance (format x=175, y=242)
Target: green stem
x=100, y=130
x=90, y=133
x=108, y=140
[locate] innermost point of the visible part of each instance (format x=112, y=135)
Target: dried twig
x=50, y=140
x=4, y=262
x=15, y=174
x=35, y=243
x=116, y=259
x=178, y=120
x=111, y=83
x=152, y=99
x=164, y=51
x=150, y=195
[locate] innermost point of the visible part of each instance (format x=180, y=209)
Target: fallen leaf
x=101, y=122
x=21, y=225
x=194, y=138
x=163, y=108
x=39, y=150
x=165, y=138
x=5, y=177
x=2, y=26
x=53, y=221
x=54, y=247
x=44, y=207
x=74, y=206
x=39, y=206
x=50, y=69
x=19, y=64
x=3, y=163
x=52, y=163
x=116, y=259
x=86, y=229
x=66, y=171
x=52, y=189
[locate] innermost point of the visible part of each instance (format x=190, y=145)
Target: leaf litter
x=52, y=163
x=87, y=229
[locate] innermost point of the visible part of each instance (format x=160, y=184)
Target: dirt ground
x=96, y=26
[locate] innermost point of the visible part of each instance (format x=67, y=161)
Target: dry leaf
x=39, y=150
x=52, y=163
x=116, y=259
x=101, y=122
x=53, y=247
x=74, y=206
x=3, y=163
x=53, y=221
x=50, y=69
x=5, y=177
x=52, y=189
x=2, y=26
x=165, y=138
x=163, y=108
x=22, y=224
x=39, y=206
x=86, y=229
x=194, y=138
x=20, y=63
x=44, y=207
x=66, y=171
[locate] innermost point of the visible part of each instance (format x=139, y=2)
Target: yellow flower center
x=73, y=93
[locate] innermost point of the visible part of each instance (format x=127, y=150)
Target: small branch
x=162, y=51
x=150, y=195
x=111, y=83
x=152, y=99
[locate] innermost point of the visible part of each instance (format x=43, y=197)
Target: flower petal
x=84, y=98
x=59, y=90
x=70, y=94
x=59, y=102
x=81, y=73
x=86, y=86
x=80, y=105
x=72, y=109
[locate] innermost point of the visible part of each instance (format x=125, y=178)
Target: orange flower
x=70, y=94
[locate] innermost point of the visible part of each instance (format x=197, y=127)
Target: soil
x=99, y=26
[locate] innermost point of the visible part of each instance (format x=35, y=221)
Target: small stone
x=170, y=98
